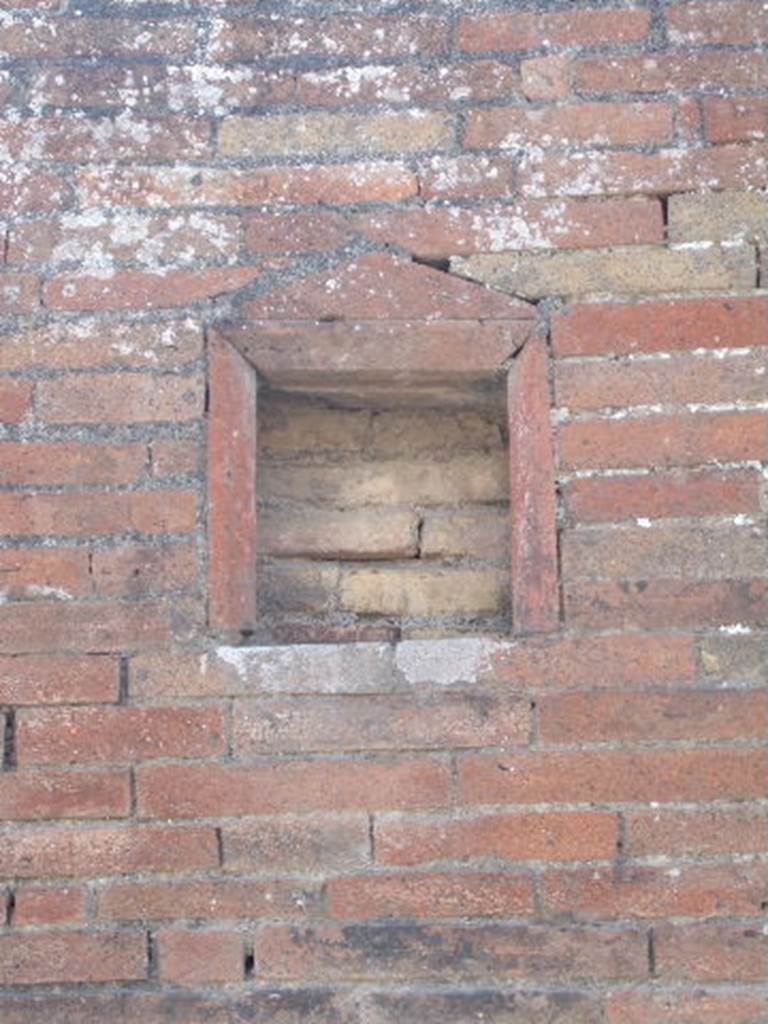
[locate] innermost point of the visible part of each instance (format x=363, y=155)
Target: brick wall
x=566, y=824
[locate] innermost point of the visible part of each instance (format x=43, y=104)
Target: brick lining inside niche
x=340, y=382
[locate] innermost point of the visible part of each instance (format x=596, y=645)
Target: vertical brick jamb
x=533, y=547
x=231, y=490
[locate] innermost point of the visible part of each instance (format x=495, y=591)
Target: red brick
x=175, y=458
x=473, y=176
x=661, y=73
x=38, y=628
x=58, y=680
x=662, y=776
x=297, y=231
x=696, y=1006
x=220, y=899
x=368, y=37
x=139, y=570
x=147, y=188
x=70, y=462
x=19, y=294
x=438, y=230
x=83, y=344
x=112, y=850
x=546, y=78
x=707, y=493
x=57, y=957
x=533, y=544
x=57, y=38
x=198, y=957
x=83, y=735
x=232, y=440
x=664, y=326
x=97, y=139
x=644, y=891
x=684, y=440
x=666, y=551
x=434, y=894
x=692, y=715
x=677, y=380
x=27, y=573
x=389, y=951
x=489, y=1003
x=381, y=286
x=718, y=23
x=596, y=661
x=36, y=796
x=712, y=952
x=139, y=86
x=136, y=289
x=78, y=514
x=554, y=836
x=521, y=31
x=49, y=906
x=15, y=400
x=272, y=788
x=602, y=124
x=668, y=170
x=32, y=191
x=120, y=398
x=736, y=120
x=150, y=240
x=689, y=120
x=308, y=844
x=697, y=833
x=648, y=604
x=303, y=724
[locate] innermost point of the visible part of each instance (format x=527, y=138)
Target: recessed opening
x=383, y=509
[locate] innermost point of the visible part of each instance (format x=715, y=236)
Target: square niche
x=383, y=510
x=380, y=462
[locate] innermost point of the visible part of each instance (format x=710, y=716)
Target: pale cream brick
x=423, y=592
x=718, y=216
x=355, y=534
x=480, y=533
x=287, y=429
x=402, y=431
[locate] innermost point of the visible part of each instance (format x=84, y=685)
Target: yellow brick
x=718, y=216
x=357, y=534
x=625, y=270
x=320, y=134
x=481, y=533
x=420, y=593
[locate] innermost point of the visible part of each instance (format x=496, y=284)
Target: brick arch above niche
x=379, y=320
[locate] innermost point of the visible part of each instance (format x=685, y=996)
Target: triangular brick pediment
x=382, y=286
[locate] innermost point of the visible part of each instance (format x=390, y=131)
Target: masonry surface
x=564, y=825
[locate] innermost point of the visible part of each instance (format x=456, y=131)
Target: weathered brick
x=71, y=462
x=218, y=899
x=57, y=957
x=95, y=37
x=107, y=850
x=304, y=724
x=35, y=905
x=702, y=24
x=297, y=231
x=650, y=604
x=52, y=679
x=554, y=836
x=19, y=294
x=32, y=191
x=175, y=458
x=481, y=533
x=408, y=431
x=83, y=735
x=635, y=552
x=85, y=514
x=188, y=957
x=298, y=587
x=601, y=124
x=136, y=289
x=15, y=400
x=546, y=78
x=139, y=570
x=562, y=1006
x=475, y=176
x=292, y=786
x=689, y=1006
x=671, y=72
x=736, y=120
x=661, y=326
x=718, y=217
x=319, y=134
x=607, y=776
x=624, y=270
x=433, y=894
x=27, y=573
x=423, y=592
x=644, y=891
x=36, y=795
x=356, y=535
x=734, y=658
x=576, y=28
x=673, y=493
x=305, y=844
x=705, y=832
x=685, y=440
x=712, y=952
x=120, y=398
x=536, y=224
x=630, y=717
x=375, y=952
